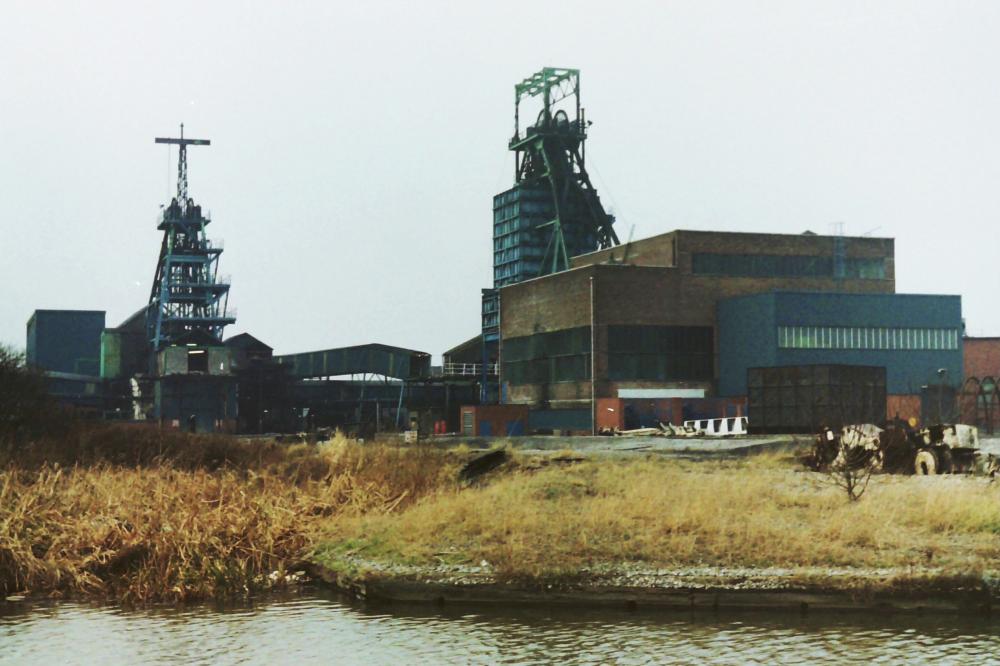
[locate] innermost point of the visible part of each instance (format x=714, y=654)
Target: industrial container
x=805, y=398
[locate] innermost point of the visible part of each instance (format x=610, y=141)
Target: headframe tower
x=553, y=212
x=187, y=296
x=550, y=168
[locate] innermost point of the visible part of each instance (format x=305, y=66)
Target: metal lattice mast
x=182, y=169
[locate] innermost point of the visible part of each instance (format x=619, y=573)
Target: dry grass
x=755, y=513
x=188, y=523
x=144, y=517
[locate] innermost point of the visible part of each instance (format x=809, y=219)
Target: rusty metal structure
x=979, y=403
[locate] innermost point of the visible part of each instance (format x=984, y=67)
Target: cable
x=168, y=173
x=604, y=186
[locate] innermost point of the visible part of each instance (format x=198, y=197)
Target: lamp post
x=941, y=375
x=986, y=395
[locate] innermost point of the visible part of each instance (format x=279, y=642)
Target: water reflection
x=318, y=628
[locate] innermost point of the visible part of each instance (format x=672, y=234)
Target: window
x=661, y=353
x=197, y=360
x=873, y=338
x=785, y=266
x=557, y=356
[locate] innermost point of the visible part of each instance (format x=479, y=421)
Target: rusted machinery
x=937, y=449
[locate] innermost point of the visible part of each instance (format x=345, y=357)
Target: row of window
x=520, y=269
x=660, y=367
x=843, y=337
x=784, y=266
x=540, y=192
x=523, y=223
x=512, y=240
x=515, y=253
x=547, y=370
x=522, y=209
x=566, y=342
x=660, y=339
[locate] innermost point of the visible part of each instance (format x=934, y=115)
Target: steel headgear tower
x=553, y=212
x=187, y=294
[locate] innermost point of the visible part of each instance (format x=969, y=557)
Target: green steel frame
x=552, y=153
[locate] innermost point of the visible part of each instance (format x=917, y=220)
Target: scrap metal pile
x=937, y=449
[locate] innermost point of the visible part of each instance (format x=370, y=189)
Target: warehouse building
x=917, y=339
x=979, y=396
x=646, y=311
x=66, y=346
x=662, y=318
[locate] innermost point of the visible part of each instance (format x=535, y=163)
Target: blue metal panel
x=887, y=310
x=514, y=428
x=748, y=327
x=747, y=338
x=66, y=340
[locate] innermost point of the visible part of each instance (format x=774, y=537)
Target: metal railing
x=469, y=369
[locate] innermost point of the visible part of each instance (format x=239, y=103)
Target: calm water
x=326, y=629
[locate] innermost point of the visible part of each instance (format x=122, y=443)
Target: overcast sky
x=356, y=147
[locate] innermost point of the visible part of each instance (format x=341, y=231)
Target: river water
x=320, y=628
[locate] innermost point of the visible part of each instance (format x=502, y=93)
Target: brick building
x=646, y=312
x=981, y=357
x=978, y=398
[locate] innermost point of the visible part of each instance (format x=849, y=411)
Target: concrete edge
x=941, y=600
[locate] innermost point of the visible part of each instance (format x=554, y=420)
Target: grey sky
x=356, y=146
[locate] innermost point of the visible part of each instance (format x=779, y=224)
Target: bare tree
x=858, y=457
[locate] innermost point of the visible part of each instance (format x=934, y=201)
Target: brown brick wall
x=981, y=357
x=654, y=251
x=647, y=291
x=674, y=249
x=550, y=303
x=906, y=407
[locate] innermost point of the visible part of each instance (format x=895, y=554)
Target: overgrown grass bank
x=762, y=512
x=136, y=516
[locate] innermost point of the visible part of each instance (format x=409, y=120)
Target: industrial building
x=687, y=314
x=906, y=333
x=586, y=329
x=552, y=212
x=169, y=363
x=67, y=341
x=646, y=311
x=978, y=397
x=66, y=346
x=578, y=332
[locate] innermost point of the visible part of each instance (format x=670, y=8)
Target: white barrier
x=733, y=425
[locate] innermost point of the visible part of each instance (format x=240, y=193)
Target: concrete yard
x=623, y=445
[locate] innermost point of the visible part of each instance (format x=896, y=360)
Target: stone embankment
x=691, y=588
